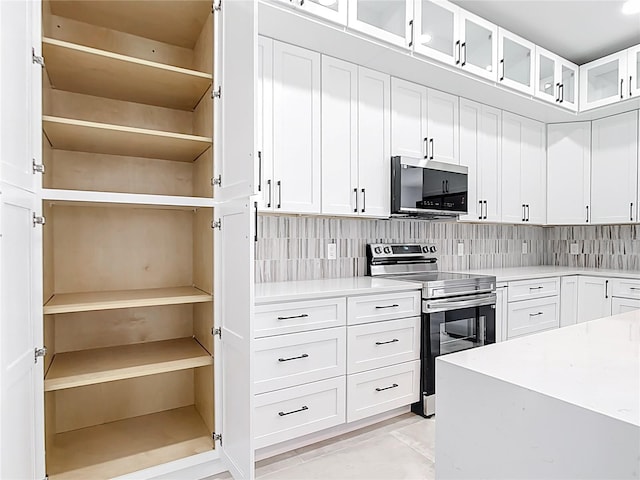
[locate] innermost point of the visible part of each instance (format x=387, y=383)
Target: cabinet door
x=386, y=20
x=490, y=163
x=339, y=137
x=513, y=208
x=374, y=151
x=296, y=129
x=264, y=115
x=568, y=173
x=479, y=45
x=594, y=300
x=567, y=74
x=614, y=168
x=408, y=119
x=443, y=126
x=21, y=379
x=603, y=81
x=515, y=62
x=21, y=94
x=335, y=11
x=624, y=305
x=633, y=71
x=469, y=151
x=436, y=30
x=568, y=300
x=502, y=309
x=533, y=179
x=547, y=85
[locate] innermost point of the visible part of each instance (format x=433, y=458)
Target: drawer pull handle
x=390, y=341
x=536, y=288
x=535, y=314
x=387, y=388
x=304, y=407
x=389, y=306
x=304, y=315
x=304, y=355
x=634, y=288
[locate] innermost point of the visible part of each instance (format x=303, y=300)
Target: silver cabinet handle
x=279, y=194
x=304, y=355
x=390, y=341
x=561, y=92
x=535, y=314
x=388, y=306
x=502, y=64
x=387, y=388
x=304, y=407
x=523, y=214
x=303, y=315
x=536, y=288
x=355, y=210
x=558, y=94
x=364, y=201
x=480, y=216
x=464, y=53
x=486, y=209
x=528, y=217
x=457, y=52
x=411, y=37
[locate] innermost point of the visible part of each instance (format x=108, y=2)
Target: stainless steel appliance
x=458, y=310
x=422, y=187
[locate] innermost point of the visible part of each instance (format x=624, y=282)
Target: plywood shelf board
x=105, y=74
x=93, y=137
x=125, y=446
x=89, y=301
x=89, y=367
x=133, y=199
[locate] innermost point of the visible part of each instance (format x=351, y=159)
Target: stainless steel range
x=458, y=310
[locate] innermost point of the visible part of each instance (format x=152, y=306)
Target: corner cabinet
x=604, y=81
x=556, y=79
x=109, y=259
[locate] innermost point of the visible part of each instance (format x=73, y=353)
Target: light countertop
x=331, y=287
x=595, y=365
x=546, y=271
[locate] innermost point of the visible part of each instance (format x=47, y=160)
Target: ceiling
x=578, y=30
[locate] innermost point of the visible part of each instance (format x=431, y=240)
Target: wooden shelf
x=93, y=137
x=89, y=198
x=81, y=69
x=125, y=446
x=88, y=367
x=90, y=301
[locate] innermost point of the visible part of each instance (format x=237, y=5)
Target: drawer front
x=624, y=305
x=297, y=411
x=380, y=344
x=530, y=289
x=288, y=360
x=532, y=316
x=381, y=390
x=373, y=308
x=294, y=317
x=625, y=288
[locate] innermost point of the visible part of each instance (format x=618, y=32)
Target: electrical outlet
x=460, y=249
x=525, y=248
x=574, y=249
x=332, y=251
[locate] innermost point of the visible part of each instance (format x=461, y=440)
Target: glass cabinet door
x=633, y=71
x=567, y=73
x=547, y=83
x=479, y=45
x=436, y=30
x=515, y=67
x=333, y=10
x=386, y=20
x=603, y=81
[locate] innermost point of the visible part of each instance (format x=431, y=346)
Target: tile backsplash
x=295, y=247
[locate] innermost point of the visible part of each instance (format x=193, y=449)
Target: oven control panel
x=390, y=250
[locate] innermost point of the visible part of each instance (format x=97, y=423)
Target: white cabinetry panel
x=387, y=20
x=443, y=126
x=264, y=115
x=624, y=305
x=291, y=317
x=603, y=81
x=516, y=65
x=374, y=308
x=594, y=298
x=436, y=30
x=479, y=45
x=408, y=119
x=531, y=316
x=568, y=300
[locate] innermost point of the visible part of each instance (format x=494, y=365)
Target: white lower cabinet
x=536, y=288
x=624, y=305
x=568, y=300
x=501, y=312
x=594, y=299
x=290, y=317
x=531, y=316
x=372, y=308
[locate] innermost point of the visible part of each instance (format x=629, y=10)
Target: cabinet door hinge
x=216, y=181
x=217, y=331
x=38, y=167
x=38, y=220
x=39, y=352
x=217, y=437
x=217, y=93
x=217, y=224
x=217, y=6
x=37, y=58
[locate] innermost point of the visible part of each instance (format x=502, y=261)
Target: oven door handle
x=445, y=304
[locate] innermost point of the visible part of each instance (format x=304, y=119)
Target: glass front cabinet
x=556, y=79
x=515, y=64
x=388, y=20
x=436, y=30
x=633, y=71
x=332, y=10
x=478, y=46
x=604, y=81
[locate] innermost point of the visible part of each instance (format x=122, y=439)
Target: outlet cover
x=574, y=249
x=460, y=249
x=525, y=248
x=332, y=251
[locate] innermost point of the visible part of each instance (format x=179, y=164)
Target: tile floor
x=402, y=448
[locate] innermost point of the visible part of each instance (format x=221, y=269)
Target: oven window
x=460, y=329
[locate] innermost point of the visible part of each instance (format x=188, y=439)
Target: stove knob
x=377, y=250
x=387, y=249
x=425, y=249
x=433, y=249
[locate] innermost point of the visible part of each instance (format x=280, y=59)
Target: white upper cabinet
x=442, y=126
x=436, y=30
x=614, y=169
x=388, y=20
x=478, y=45
x=296, y=129
x=534, y=172
x=516, y=67
x=568, y=173
x=408, y=119
x=332, y=10
x=633, y=71
x=264, y=113
x=568, y=84
x=604, y=81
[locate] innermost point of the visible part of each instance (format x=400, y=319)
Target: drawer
x=288, y=360
x=625, y=288
x=380, y=344
x=532, y=316
x=297, y=411
x=293, y=317
x=624, y=305
x=373, y=308
x=381, y=390
x=529, y=289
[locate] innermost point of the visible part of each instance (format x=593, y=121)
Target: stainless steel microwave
x=422, y=187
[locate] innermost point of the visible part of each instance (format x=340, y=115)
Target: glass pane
x=547, y=69
x=602, y=81
x=437, y=28
x=478, y=48
x=517, y=62
x=332, y=4
x=568, y=85
x=388, y=15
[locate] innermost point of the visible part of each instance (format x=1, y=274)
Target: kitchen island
x=558, y=404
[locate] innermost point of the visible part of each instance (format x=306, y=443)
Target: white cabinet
x=568, y=173
x=532, y=316
x=516, y=65
x=523, y=170
x=604, y=81
x=436, y=30
x=568, y=300
x=388, y=20
x=624, y=305
x=633, y=71
x=480, y=152
x=424, y=122
x=614, y=169
x=478, y=45
x=501, y=312
x=334, y=11
x=556, y=79
x=296, y=129
x=536, y=288
x=264, y=114
x=594, y=298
